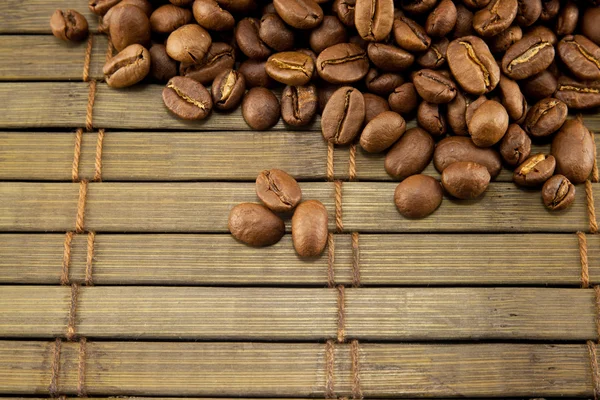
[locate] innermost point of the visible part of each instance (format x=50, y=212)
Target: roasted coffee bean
x=464, y=22
x=539, y=86
x=512, y=99
x=435, y=56
x=528, y=12
x=255, y=73
x=101, y=7
x=210, y=15
x=578, y=95
x=434, y=87
x=374, y=18
x=219, y=57
x=187, y=98
x=275, y=33
x=567, y=19
x=382, y=84
x=410, y=155
x=238, y=6
x=404, y=99
x=228, y=89
x=324, y=93
x=418, y=196
x=343, y=115
x=515, y=146
x=489, y=124
x=530, y=55
x=459, y=148
x=589, y=24
x=472, y=106
x=343, y=63
x=574, y=150
x=409, y=35
x=472, y=65
x=502, y=41
x=546, y=117
x=313, y=57
x=344, y=9
x=260, y=108
x=278, y=190
x=300, y=14
x=442, y=19
x=417, y=6
x=181, y=3
x=162, y=67
x=128, y=25
x=374, y=105
x=534, y=171
x=128, y=67
x=476, y=4
x=581, y=56
x=144, y=5
x=389, y=58
x=255, y=225
x=550, y=9
x=310, y=228
x=360, y=42
x=299, y=104
x=465, y=180
x=329, y=33
x=495, y=17
x=457, y=114
x=188, y=44
x=167, y=18
x=431, y=118
x=558, y=193
x=69, y=25
x=382, y=132
x=248, y=40
x=290, y=67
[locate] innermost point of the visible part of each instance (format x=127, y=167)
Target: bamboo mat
x=118, y=277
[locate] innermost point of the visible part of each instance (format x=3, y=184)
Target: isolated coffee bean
x=382, y=132
x=188, y=44
x=128, y=67
x=374, y=105
x=290, y=67
x=567, y=19
x=101, y=7
x=310, y=228
x=343, y=115
x=431, y=117
x=496, y=17
x=329, y=33
x=275, y=33
x=128, y=25
x=404, y=99
x=546, y=117
x=435, y=56
x=581, y=56
x=534, y=171
x=344, y=9
x=162, y=67
x=489, y=124
x=210, y=15
x=409, y=35
x=442, y=19
x=219, y=57
x=539, y=86
x=417, y=6
x=472, y=65
x=418, y=196
x=374, y=18
x=434, y=87
x=343, y=63
x=465, y=180
x=69, y=25
x=464, y=22
x=459, y=148
x=530, y=55
x=512, y=99
x=167, y=18
x=228, y=89
x=382, y=84
x=260, y=108
x=255, y=225
x=578, y=95
x=515, y=146
x=550, y=10
x=410, y=155
x=389, y=58
x=299, y=104
x=248, y=40
x=589, y=24
x=502, y=41
x=574, y=150
x=528, y=12
x=558, y=193
x=187, y=98
x=300, y=14
x=278, y=190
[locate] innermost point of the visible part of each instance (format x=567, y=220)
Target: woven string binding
x=81, y=368
x=585, y=274
x=55, y=368
x=329, y=370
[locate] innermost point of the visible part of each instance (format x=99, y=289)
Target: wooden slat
x=273, y=370
x=33, y=16
x=409, y=259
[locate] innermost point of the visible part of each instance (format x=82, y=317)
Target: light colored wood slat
x=273, y=370
x=33, y=16
x=409, y=259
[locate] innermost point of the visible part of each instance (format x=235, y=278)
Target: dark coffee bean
x=374, y=105
x=238, y=6
x=255, y=225
x=310, y=228
x=578, y=95
x=187, y=98
x=382, y=132
x=464, y=22
x=409, y=35
x=495, y=17
x=255, y=73
x=434, y=87
x=162, y=67
x=300, y=14
x=313, y=57
x=465, y=180
x=442, y=19
x=431, y=118
x=476, y=4
x=515, y=146
x=558, y=193
x=581, y=56
x=360, y=42
x=343, y=63
x=382, y=84
x=550, y=9
x=404, y=99
x=589, y=24
x=457, y=114
x=275, y=33
x=181, y=3
x=128, y=25
x=343, y=115
x=269, y=8
x=534, y=171
x=530, y=55
x=329, y=33
x=388, y=57
x=211, y=16
x=512, y=99
x=290, y=67
x=344, y=9
x=228, y=89
x=69, y=25
x=472, y=106
x=260, y=108
x=248, y=40
x=435, y=56
x=188, y=44
x=167, y=18
x=546, y=117
x=539, y=86
x=528, y=12
x=502, y=41
x=472, y=65
x=574, y=150
x=489, y=124
x=299, y=104
x=128, y=67
x=144, y=5
x=418, y=196
x=410, y=155
x=278, y=190
x=219, y=57
x=460, y=148
x=374, y=18
x=417, y=6
x=324, y=93
x=101, y=7
x=567, y=19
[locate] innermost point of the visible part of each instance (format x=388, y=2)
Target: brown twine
x=339, y=225
x=81, y=369
x=595, y=175
x=76, y=155
x=53, y=387
x=330, y=260
x=330, y=150
x=354, y=355
x=591, y=208
x=594, y=368
x=88, y=58
x=90, y=106
x=98, y=160
x=341, y=303
x=72, y=311
x=352, y=163
x=585, y=273
x=79, y=222
x=90, y=259
x=355, y=261
x=64, y=277
x=329, y=370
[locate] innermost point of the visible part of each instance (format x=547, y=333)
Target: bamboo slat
x=409, y=259
x=273, y=370
x=33, y=16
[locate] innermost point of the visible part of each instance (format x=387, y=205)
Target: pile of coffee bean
x=466, y=69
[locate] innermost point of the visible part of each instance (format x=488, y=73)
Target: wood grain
x=33, y=16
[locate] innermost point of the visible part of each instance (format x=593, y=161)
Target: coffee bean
x=418, y=196
x=162, y=67
x=181, y=3
x=69, y=25
x=382, y=132
x=546, y=117
x=187, y=98
x=299, y=104
x=435, y=56
x=409, y=35
x=530, y=55
x=457, y=114
x=167, y=18
x=539, y=86
x=589, y=24
x=128, y=25
x=255, y=225
x=502, y=41
x=219, y=57
x=101, y=7
x=558, y=193
x=255, y=73
x=343, y=63
x=389, y=58
x=210, y=15
x=374, y=105
x=300, y=14
x=144, y=5
x=275, y=33
x=581, y=56
x=228, y=89
x=434, y=87
x=550, y=10
x=236, y=6
x=343, y=115
x=464, y=22
x=472, y=106
x=578, y=95
x=460, y=148
x=248, y=40
x=465, y=180
x=431, y=118
x=344, y=9
x=278, y=190
x=442, y=19
x=574, y=150
x=290, y=67
x=528, y=12
x=410, y=155
x=567, y=19
x=534, y=171
x=128, y=67
x=476, y=4
x=489, y=124
x=324, y=93
x=188, y=44
x=310, y=228
x=472, y=65
x=417, y=6
x=329, y=33
x=374, y=18
x=512, y=99
x=382, y=84
x=404, y=99
x=515, y=146
x=260, y=108
x=495, y=17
